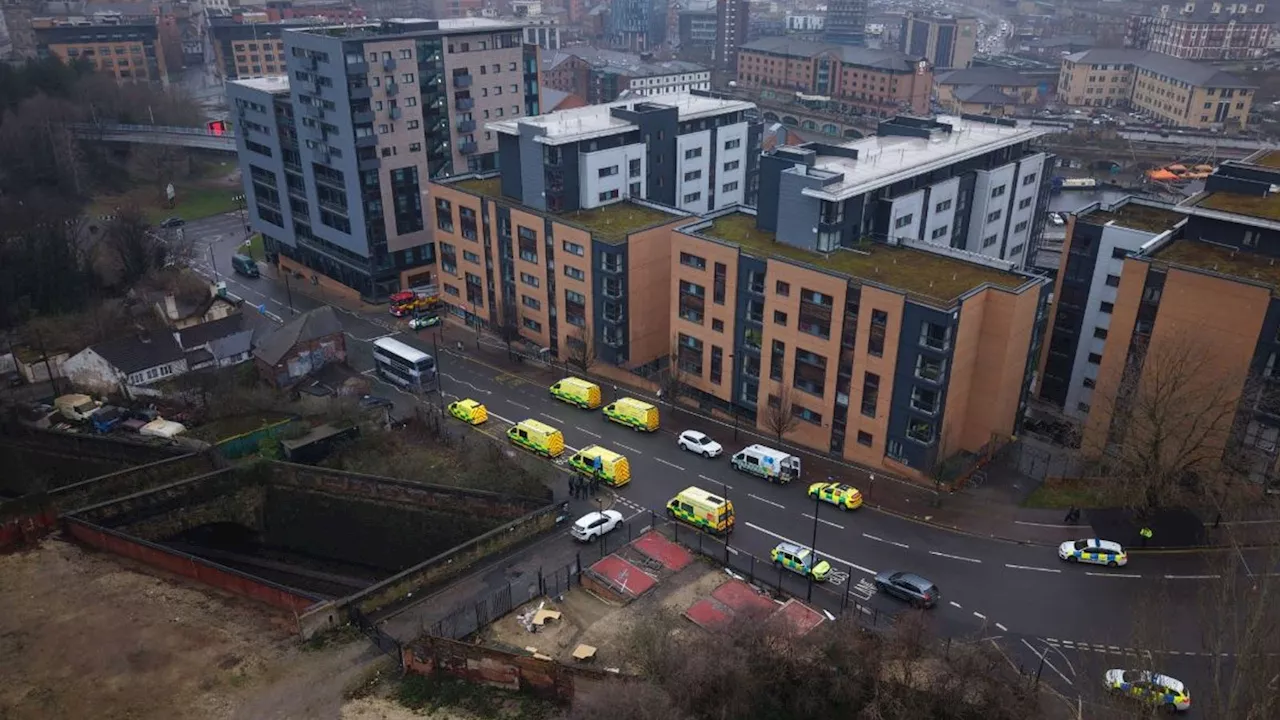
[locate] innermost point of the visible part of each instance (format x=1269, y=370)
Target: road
x=1020, y=596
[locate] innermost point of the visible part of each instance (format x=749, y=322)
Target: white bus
x=403, y=365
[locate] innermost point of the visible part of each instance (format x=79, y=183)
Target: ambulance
x=772, y=465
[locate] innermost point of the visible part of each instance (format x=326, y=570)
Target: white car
x=595, y=524
x=1093, y=550
x=700, y=444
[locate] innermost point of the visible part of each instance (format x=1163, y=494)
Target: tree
x=136, y=250
x=672, y=380
x=581, y=347
x=779, y=418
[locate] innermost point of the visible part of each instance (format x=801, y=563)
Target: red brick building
x=1204, y=30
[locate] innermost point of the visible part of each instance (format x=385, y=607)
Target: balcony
x=366, y=141
x=466, y=126
x=363, y=117
x=358, y=68
x=467, y=148
x=313, y=111
x=465, y=104
x=388, y=64
x=395, y=113
x=462, y=82
x=392, y=89
x=360, y=92
x=372, y=163
x=611, y=268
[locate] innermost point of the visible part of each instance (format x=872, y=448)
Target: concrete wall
x=432, y=657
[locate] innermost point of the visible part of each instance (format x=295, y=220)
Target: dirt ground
x=85, y=635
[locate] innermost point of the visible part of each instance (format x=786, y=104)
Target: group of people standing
x=583, y=486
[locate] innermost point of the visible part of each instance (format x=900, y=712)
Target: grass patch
x=340, y=635
x=190, y=203
x=1063, y=494
x=427, y=694
x=253, y=247
x=1215, y=258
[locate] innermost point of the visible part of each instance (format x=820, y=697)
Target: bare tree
x=673, y=380
x=134, y=247
x=581, y=351
x=779, y=416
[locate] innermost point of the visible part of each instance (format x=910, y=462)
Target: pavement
x=992, y=560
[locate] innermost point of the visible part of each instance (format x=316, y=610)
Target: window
x=609, y=195
x=777, y=356
x=1020, y=226
x=929, y=368
x=415, y=147
x=692, y=175
x=994, y=215
x=731, y=165
x=692, y=153
x=920, y=431
x=444, y=215
x=692, y=301
x=531, y=303
x=470, y=257
x=1250, y=238
x=783, y=289
x=607, y=171
x=1113, y=281
x=532, y=324
x=810, y=372
x=935, y=336
x=693, y=197
x=803, y=413
x=693, y=261
x=865, y=439
x=729, y=187
x=1089, y=382
x=1107, y=307
x=575, y=273
x=989, y=240
x=717, y=325
x=1119, y=253
x=924, y=400
x=530, y=280
x=1029, y=179
x=903, y=221
x=939, y=232
x=779, y=318
x=1100, y=333
x=879, y=324
x=1016, y=250
x=574, y=248
x=943, y=206
x=718, y=283
x=1095, y=359
x=575, y=308
x=1149, y=295
x=997, y=191
x=689, y=354
x=1025, y=203
x=717, y=360
x=732, y=144
x=870, y=393
x=815, y=313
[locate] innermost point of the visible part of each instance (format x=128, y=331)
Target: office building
x=946, y=41
x=128, y=48
x=602, y=76
x=994, y=91
x=250, y=49
x=798, y=24
x=637, y=25
x=697, y=32
x=1198, y=30
x=1169, y=89
x=1198, y=294
x=846, y=22
x=856, y=79
x=336, y=154
x=732, y=20
x=891, y=354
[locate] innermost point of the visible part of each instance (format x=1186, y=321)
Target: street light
x=813, y=546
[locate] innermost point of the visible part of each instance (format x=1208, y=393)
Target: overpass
x=155, y=135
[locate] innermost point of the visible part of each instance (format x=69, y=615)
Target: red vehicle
x=412, y=302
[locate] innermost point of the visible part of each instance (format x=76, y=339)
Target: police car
x=1151, y=688
x=1093, y=550
x=845, y=497
x=800, y=559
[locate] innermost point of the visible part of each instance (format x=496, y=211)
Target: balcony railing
x=466, y=103
x=388, y=64
x=362, y=117
x=462, y=81
x=395, y=113
x=392, y=89
x=467, y=148
x=358, y=68
x=466, y=126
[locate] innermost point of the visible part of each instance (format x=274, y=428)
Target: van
x=577, y=391
x=244, y=265
x=772, y=465
x=614, y=469
x=469, y=411
x=703, y=510
x=76, y=407
x=537, y=437
x=635, y=414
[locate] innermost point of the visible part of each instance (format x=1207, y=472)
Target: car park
x=595, y=524
x=1149, y=687
x=909, y=587
x=1095, y=551
x=699, y=444
x=845, y=497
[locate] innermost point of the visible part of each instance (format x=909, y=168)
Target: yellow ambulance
x=635, y=414
x=577, y=391
x=469, y=411
x=614, y=469
x=537, y=437
x=702, y=510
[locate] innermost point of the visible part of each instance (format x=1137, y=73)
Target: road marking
x=824, y=522
x=979, y=615
x=956, y=605
x=1030, y=567
x=628, y=447
x=1002, y=628
x=1046, y=661
x=579, y=428
x=717, y=482
x=757, y=497
x=460, y=381
x=1118, y=575
x=669, y=464
x=1047, y=525
x=953, y=557
x=553, y=417
x=891, y=542
x=390, y=334
x=525, y=407
x=1192, y=577
x=829, y=557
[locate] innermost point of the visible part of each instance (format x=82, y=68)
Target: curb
x=956, y=529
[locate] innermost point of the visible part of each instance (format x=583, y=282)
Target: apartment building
x=602, y=76
x=336, y=154
x=946, y=41
x=1198, y=30
x=128, y=48
x=250, y=50
x=637, y=25
x=733, y=18
x=846, y=22
x=696, y=30
x=1199, y=293
x=858, y=79
x=1169, y=89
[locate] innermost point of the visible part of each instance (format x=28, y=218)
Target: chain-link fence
x=472, y=617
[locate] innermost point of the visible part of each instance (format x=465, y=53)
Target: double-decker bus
x=405, y=366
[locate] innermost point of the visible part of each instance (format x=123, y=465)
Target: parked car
x=371, y=402
x=172, y=222
x=419, y=322
x=908, y=586
x=595, y=524
x=699, y=444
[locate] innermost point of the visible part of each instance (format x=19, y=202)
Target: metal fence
x=472, y=617
x=376, y=635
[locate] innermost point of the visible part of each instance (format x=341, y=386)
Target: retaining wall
x=435, y=657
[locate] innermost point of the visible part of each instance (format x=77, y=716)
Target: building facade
x=986, y=91
x=1169, y=89
x=861, y=80
x=250, y=50
x=1199, y=30
x=128, y=48
x=337, y=154
x=637, y=25
x=846, y=22
x=697, y=33
x=733, y=17
x=946, y=41
x=602, y=76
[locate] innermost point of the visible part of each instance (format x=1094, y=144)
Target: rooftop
x=916, y=272
x=1160, y=64
x=629, y=64
x=609, y=223
x=1269, y=160
x=590, y=121
x=411, y=27
x=273, y=84
x=1135, y=216
x=884, y=160
x=1220, y=259
x=878, y=59
x=998, y=76
x=1263, y=207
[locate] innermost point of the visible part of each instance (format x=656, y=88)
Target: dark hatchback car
x=910, y=587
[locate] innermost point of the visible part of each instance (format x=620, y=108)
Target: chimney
x=170, y=306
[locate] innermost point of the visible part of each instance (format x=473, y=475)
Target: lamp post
x=813, y=546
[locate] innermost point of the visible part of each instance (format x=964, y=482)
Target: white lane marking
x=770, y=502
x=523, y=407
x=669, y=464
x=628, y=447
x=1192, y=577
x=380, y=337
x=979, y=615
x=581, y=429
x=553, y=417
x=460, y=381
x=1002, y=627
x=1119, y=575
x=717, y=482
x=1031, y=567
x=891, y=542
x=1047, y=662
x=953, y=557
x=824, y=522
x=1048, y=525
x=829, y=557
x=956, y=605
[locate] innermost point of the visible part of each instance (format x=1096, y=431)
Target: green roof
x=1136, y=216
x=609, y=223
x=919, y=273
x=1220, y=259
x=1264, y=207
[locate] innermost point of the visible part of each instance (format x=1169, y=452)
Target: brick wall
x=432, y=657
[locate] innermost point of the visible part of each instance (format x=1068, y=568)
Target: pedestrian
x=1146, y=534
x=573, y=489
x=1075, y=515
x=1071, y=513
x=1217, y=521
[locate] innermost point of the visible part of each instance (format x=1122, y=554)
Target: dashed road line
x=553, y=417
x=581, y=429
x=770, y=502
x=824, y=522
x=954, y=557
x=1114, y=575
x=717, y=482
x=522, y=407
x=979, y=615
x=628, y=447
x=1002, y=627
x=889, y=542
x=1192, y=577
x=669, y=464
x=956, y=605
x=828, y=556
x=1032, y=567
